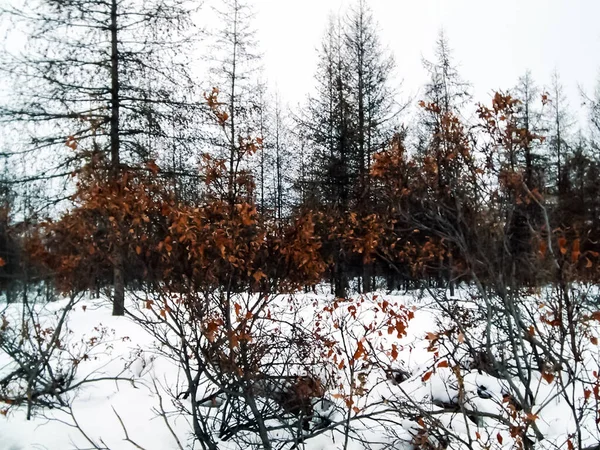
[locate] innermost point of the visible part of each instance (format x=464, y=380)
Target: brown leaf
x=426, y=377
x=394, y=352
x=500, y=439
x=211, y=330
x=548, y=377
x=431, y=336
x=152, y=167
x=360, y=351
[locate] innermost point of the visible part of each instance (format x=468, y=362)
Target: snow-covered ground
x=127, y=414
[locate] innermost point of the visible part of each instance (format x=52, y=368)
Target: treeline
x=126, y=170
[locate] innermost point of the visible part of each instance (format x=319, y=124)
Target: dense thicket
x=117, y=86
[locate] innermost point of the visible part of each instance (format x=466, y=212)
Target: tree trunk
x=367, y=278
x=119, y=285
x=118, y=276
x=340, y=281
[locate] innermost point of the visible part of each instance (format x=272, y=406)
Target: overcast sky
x=494, y=42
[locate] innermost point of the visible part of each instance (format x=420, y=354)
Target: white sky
x=494, y=42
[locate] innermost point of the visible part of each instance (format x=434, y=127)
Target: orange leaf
x=543, y=248
x=427, y=376
x=594, y=340
x=138, y=249
x=570, y=445
x=258, y=275
x=575, y=252
x=562, y=245
x=238, y=308
x=2, y=262
x=530, y=417
x=149, y=304
x=477, y=435
x=443, y=363
x=71, y=143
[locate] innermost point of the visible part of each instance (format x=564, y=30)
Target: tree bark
x=367, y=277
x=118, y=275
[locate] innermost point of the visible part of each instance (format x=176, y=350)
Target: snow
x=105, y=409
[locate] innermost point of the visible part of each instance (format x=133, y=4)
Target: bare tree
x=235, y=74
x=559, y=132
x=83, y=81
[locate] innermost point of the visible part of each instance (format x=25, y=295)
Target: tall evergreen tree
x=348, y=118
x=327, y=122
x=373, y=100
x=529, y=117
x=445, y=95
